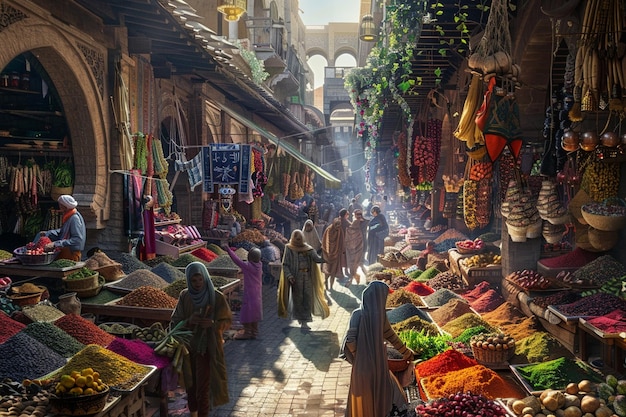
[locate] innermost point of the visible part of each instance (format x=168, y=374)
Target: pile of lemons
x=85, y=382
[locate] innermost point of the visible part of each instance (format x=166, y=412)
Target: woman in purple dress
x=252, y=303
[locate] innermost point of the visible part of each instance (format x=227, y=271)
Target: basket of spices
x=83, y=279
x=27, y=294
x=491, y=349
x=395, y=360
x=608, y=216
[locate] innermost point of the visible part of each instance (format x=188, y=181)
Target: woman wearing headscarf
x=374, y=390
x=334, y=249
x=377, y=231
x=300, y=290
x=207, y=314
x=311, y=236
x=354, y=246
x=70, y=238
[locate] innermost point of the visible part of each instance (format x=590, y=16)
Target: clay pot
x=589, y=140
x=570, y=141
x=610, y=139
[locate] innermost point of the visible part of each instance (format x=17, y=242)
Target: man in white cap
x=71, y=236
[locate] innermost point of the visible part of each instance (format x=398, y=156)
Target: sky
x=321, y=12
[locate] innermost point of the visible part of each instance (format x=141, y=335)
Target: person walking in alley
x=334, y=249
x=374, y=390
x=300, y=289
x=252, y=303
x=377, y=231
x=207, y=314
x=354, y=247
x=311, y=236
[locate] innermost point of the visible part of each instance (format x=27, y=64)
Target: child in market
x=252, y=303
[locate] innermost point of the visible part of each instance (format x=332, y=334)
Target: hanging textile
x=122, y=119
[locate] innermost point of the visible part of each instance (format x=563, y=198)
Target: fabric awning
x=287, y=147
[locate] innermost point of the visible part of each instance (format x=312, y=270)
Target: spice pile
x=54, y=338
x=148, y=297
x=22, y=357
x=140, y=278
x=83, y=330
x=168, y=272
x=115, y=370
x=557, y=373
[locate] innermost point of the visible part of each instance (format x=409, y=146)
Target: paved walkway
x=287, y=372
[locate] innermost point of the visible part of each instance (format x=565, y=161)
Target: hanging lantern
x=367, y=30
x=232, y=9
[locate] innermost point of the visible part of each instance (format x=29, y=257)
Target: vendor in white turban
x=70, y=238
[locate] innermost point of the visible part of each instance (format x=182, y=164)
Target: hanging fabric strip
x=123, y=119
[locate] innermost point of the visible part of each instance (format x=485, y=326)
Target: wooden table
x=45, y=271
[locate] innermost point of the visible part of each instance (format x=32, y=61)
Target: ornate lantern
x=367, y=30
x=232, y=9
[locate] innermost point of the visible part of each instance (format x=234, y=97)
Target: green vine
x=257, y=67
x=387, y=76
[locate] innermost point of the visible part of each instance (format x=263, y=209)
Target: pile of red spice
x=614, y=322
x=83, y=330
x=450, y=360
x=476, y=292
x=574, y=259
x=204, y=254
x=8, y=327
x=418, y=288
x=489, y=301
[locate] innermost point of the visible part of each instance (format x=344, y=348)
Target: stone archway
x=77, y=70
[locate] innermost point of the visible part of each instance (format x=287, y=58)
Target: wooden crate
x=491, y=274
x=131, y=404
x=564, y=332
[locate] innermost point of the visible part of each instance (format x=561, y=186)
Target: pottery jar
x=69, y=303
x=610, y=139
x=589, y=140
x=570, y=141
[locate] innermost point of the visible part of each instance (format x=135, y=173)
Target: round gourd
x=489, y=64
x=503, y=62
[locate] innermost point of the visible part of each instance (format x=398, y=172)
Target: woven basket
x=79, y=405
x=111, y=272
x=391, y=264
x=601, y=222
x=488, y=356
x=602, y=240
x=465, y=251
x=26, y=300
x=397, y=365
x=82, y=283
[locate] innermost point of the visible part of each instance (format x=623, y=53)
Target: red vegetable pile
x=461, y=405
x=37, y=248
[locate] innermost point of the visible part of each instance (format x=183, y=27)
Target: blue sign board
x=225, y=163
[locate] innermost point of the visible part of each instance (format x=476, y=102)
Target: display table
x=45, y=271
x=607, y=340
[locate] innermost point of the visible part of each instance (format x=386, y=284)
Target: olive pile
x=154, y=333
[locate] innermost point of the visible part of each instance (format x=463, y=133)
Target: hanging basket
x=56, y=192
x=605, y=216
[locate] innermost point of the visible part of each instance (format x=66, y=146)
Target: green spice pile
x=103, y=297
x=54, y=338
x=42, y=312
x=539, y=347
x=467, y=320
x=557, y=373
x=185, y=259
x=418, y=324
